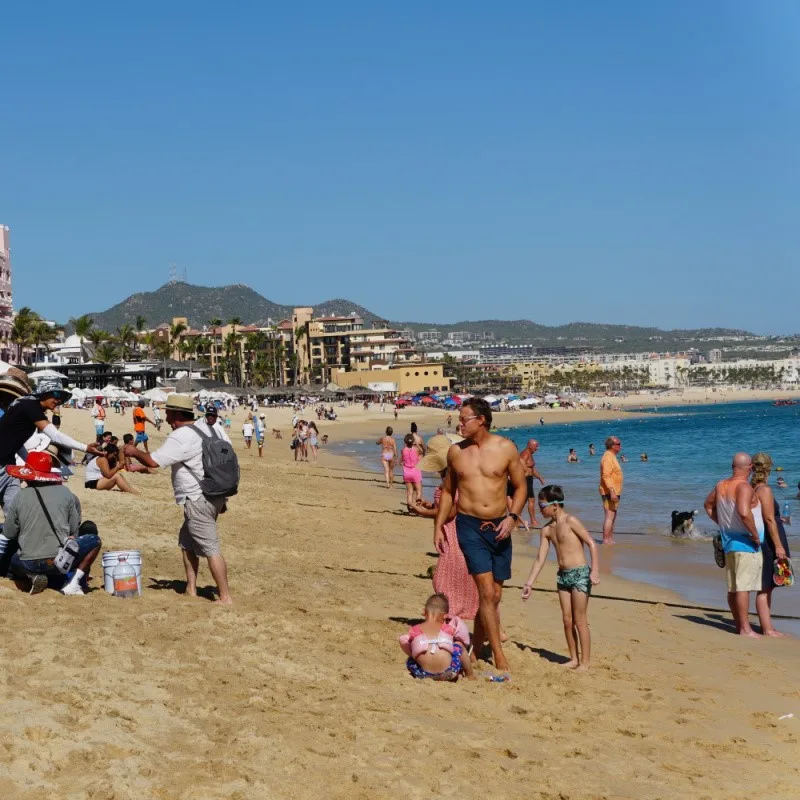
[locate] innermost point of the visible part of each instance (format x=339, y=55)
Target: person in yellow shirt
x=610, y=486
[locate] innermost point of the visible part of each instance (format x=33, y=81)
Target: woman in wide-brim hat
x=13, y=384
x=451, y=576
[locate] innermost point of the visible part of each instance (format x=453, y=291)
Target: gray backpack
x=220, y=465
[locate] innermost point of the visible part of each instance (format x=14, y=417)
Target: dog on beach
x=683, y=524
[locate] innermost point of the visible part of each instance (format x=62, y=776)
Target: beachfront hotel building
x=6, y=301
x=324, y=345
x=409, y=378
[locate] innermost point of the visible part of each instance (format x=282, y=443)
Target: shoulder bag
x=65, y=557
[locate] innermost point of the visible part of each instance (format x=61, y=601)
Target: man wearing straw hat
x=25, y=415
x=42, y=517
x=183, y=451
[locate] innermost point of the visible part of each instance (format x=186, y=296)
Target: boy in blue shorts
x=575, y=577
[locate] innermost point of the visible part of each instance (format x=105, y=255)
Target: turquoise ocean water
x=689, y=449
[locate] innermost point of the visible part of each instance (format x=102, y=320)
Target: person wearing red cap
x=24, y=417
x=41, y=518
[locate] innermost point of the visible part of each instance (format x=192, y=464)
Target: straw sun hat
x=179, y=402
x=435, y=460
x=14, y=382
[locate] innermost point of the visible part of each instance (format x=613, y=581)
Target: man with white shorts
x=733, y=505
x=183, y=451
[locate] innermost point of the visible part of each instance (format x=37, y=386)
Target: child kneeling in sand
x=437, y=648
x=575, y=577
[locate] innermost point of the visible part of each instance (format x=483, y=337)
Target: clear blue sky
x=631, y=162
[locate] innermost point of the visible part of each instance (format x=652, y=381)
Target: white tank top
x=92, y=471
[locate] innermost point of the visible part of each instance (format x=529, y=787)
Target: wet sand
x=299, y=690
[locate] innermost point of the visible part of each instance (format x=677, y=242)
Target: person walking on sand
x=575, y=577
x=610, y=486
x=419, y=442
x=183, y=452
x=775, y=545
x=388, y=455
x=140, y=419
x=529, y=466
x=99, y=415
x=735, y=508
x=477, y=468
x=412, y=475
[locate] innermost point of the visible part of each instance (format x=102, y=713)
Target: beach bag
x=65, y=557
x=220, y=465
x=719, y=552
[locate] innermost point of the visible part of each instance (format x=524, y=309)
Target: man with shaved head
x=529, y=466
x=733, y=505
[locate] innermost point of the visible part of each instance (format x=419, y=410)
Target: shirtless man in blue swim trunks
x=478, y=468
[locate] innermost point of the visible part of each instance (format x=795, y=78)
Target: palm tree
x=105, y=353
x=41, y=333
x=96, y=337
x=215, y=323
x=175, y=332
x=299, y=333
x=126, y=337
x=82, y=325
x=22, y=330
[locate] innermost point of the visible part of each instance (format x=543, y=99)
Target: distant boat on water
x=785, y=403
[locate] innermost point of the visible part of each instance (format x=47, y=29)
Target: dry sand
x=300, y=691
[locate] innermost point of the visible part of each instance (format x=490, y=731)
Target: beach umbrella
x=156, y=395
x=46, y=373
x=515, y=403
x=427, y=401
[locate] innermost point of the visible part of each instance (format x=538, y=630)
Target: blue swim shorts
x=141, y=437
x=476, y=538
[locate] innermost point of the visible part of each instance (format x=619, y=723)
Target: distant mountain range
x=201, y=303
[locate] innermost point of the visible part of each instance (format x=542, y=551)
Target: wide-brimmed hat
x=38, y=467
x=62, y=456
x=180, y=402
x=14, y=382
x=52, y=386
x=435, y=460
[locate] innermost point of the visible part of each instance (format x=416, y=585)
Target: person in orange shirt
x=140, y=419
x=610, y=486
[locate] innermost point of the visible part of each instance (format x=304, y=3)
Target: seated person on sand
x=437, y=647
x=572, y=458
x=41, y=519
x=104, y=472
x=130, y=464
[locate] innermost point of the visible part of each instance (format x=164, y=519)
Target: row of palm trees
x=259, y=362
x=255, y=359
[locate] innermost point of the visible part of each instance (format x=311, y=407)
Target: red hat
x=38, y=467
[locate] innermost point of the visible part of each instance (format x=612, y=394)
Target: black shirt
x=17, y=425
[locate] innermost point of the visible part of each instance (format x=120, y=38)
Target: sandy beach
x=300, y=690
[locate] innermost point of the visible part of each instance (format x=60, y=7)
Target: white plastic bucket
x=110, y=560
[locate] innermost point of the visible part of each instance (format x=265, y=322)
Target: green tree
x=22, y=330
x=125, y=340
x=41, y=333
x=105, y=353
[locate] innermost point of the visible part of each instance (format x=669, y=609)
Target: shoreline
x=300, y=688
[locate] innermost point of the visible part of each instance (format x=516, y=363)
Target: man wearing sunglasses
x=479, y=469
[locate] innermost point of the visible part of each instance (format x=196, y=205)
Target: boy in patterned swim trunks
x=575, y=577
